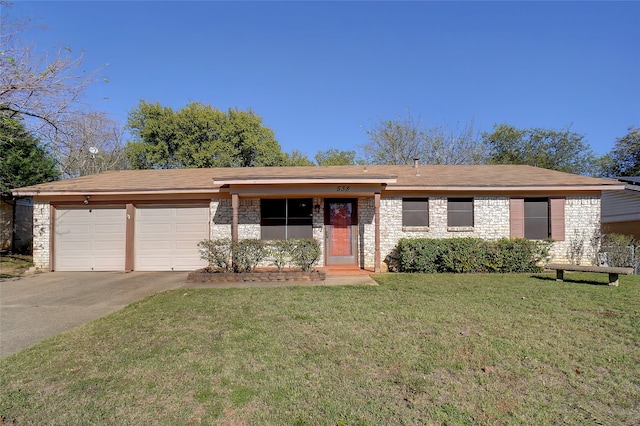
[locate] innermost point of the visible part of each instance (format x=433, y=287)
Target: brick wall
x=582, y=219
x=491, y=221
x=249, y=220
x=41, y=231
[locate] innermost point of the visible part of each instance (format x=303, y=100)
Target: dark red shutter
x=516, y=217
x=557, y=218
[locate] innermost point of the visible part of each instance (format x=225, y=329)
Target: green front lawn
x=418, y=349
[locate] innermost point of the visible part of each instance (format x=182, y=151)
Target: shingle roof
x=634, y=180
x=438, y=176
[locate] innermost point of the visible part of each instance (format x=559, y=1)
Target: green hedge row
x=470, y=255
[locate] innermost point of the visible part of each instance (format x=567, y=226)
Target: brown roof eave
x=385, y=180
x=44, y=193
x=538, y=188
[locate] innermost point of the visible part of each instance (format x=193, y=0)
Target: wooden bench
x=612, y=271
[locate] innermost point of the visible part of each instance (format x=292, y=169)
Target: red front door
x=341, y=227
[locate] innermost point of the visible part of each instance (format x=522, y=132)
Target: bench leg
x=613, y=279
x=559, y=275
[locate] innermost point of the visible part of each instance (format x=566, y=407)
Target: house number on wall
x=342, y=188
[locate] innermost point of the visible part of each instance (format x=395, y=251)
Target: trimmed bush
x=305, y=254
x=245, y=255
x=280, y=253
x=217, y=253
x=471, y=255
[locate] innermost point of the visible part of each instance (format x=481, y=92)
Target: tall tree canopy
x=561, y=150
x=335, y=157
x=297, y=158
x=401, y=140
x=199, y=135
x=23, y=161
x=625, y=155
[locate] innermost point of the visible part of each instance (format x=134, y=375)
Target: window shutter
x=516, y=213
x=557, y=218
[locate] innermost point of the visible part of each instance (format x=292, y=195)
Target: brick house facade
x=153, y=211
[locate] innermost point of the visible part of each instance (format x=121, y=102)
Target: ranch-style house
x=152, y=220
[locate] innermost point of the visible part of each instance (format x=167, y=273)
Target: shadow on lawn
x=569, y=280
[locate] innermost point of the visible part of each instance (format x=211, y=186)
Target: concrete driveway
x=40, y=306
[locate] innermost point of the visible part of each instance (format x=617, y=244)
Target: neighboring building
x=153, y=219
x=621, y=209
x=6, y=225
x=16, y=225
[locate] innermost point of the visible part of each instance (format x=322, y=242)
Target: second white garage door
x=166, y=238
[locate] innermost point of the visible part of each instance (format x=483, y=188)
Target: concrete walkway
x=37, y=307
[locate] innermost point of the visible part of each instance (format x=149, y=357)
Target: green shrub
x=217, y=253
x=279, y=251
x=618, y=249
x=463, y=255
x=247, y=254
x=305, y=254
x=418, y=255
x=469, y=255
x=517, y=255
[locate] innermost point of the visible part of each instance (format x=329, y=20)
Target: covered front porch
x=342, y=214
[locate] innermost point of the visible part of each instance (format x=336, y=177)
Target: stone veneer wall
x=41, y=235
x=491, y=221
x=318, y=227
x=366, y=232
x=582, y=220
x=221, y=213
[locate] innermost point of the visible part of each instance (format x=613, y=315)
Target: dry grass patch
x=418, y=349
x=14, y=265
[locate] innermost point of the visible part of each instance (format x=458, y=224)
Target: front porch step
x=346, y=271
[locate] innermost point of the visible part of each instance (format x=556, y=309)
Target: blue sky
x=321, y=73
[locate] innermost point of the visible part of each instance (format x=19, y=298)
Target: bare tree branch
x=43, y=88
x=401, y=140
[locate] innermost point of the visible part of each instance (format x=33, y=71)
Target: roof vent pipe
x=416, y=163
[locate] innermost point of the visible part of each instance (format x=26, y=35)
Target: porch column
x=129, y=258
x=235, y=204
x=376, y=215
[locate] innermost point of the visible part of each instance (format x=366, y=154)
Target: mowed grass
x=418, y=349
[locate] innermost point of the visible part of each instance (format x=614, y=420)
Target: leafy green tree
x=199, y=135
x=23, y=161
x=335, y=157
x=297, y=158
x=561, y=150
x=625, y=156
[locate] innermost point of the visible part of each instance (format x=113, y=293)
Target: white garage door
x=89, y=239
x=167, y=238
